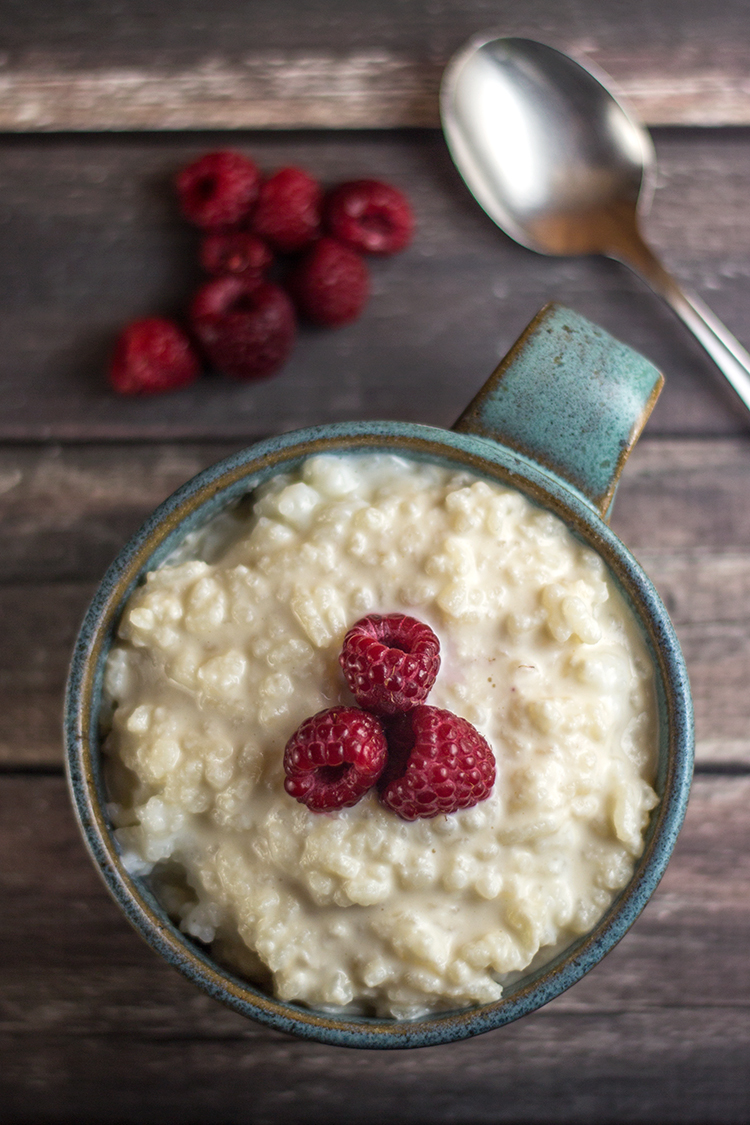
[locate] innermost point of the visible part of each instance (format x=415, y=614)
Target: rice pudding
x=230, y=645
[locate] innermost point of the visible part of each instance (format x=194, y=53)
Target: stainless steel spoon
x=563, y=168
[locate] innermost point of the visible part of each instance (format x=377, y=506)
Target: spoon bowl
x=560, y=165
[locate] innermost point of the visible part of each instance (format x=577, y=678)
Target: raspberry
x=235, y=252
x=218, y=190
x=334, y=758
x=331, y=284
x=288, y=210
x=390, y=663
x=369, y=216
x=246, y=327
x=150, y=356
x=437, y=763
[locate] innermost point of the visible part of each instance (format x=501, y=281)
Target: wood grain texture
x=378, y=90
x=91, y=1019
x=92, y=239
x=133, y=32
x=683, y=507
x=192, y=66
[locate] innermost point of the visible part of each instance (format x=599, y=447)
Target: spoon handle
x=726, y=352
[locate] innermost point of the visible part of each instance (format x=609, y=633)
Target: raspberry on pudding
x=437, y=763
x=390, y=662
x=333, y=758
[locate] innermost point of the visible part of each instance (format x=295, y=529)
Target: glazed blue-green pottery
x=556, y=421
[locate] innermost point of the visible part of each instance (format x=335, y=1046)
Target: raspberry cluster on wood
x=331, y=284
x=246, y=327
x=288, y=211
x=152, y=355
x=218, y=190
x=370, y=216
x=434, y=762
x=235, y=252
x=247, y=220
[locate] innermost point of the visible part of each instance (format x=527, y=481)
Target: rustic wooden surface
x=96, y=215
x=331, y=63
x=93, y=1026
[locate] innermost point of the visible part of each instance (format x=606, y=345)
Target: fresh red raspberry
x=218, y=190
x=235, y=252
x=331, y=284
x=246, y=327
x=390, y=662
x=369, y=216
x=334, y=758
x=152, y=355
x=288, y=210
x=437, y=763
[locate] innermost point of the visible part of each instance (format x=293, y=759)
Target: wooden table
x=100, y=103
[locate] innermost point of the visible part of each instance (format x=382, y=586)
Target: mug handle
x=571, y=398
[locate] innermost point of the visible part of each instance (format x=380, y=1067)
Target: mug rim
x=193, y=504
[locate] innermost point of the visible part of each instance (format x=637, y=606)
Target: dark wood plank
x=92, y=239
x=39, y=625
x=568, y=1071
x=191, y=66
x=683, y=507
x=660, y=1031
x=685, y=495
x=132, y=32
x=66, y=511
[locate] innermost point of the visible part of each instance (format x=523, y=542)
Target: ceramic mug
x=556, y=421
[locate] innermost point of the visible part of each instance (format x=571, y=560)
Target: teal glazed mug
x=556, y=422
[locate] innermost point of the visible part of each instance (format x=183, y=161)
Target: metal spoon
x=563, y=168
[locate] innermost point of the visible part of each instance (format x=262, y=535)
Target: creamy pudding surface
x=231, y=644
